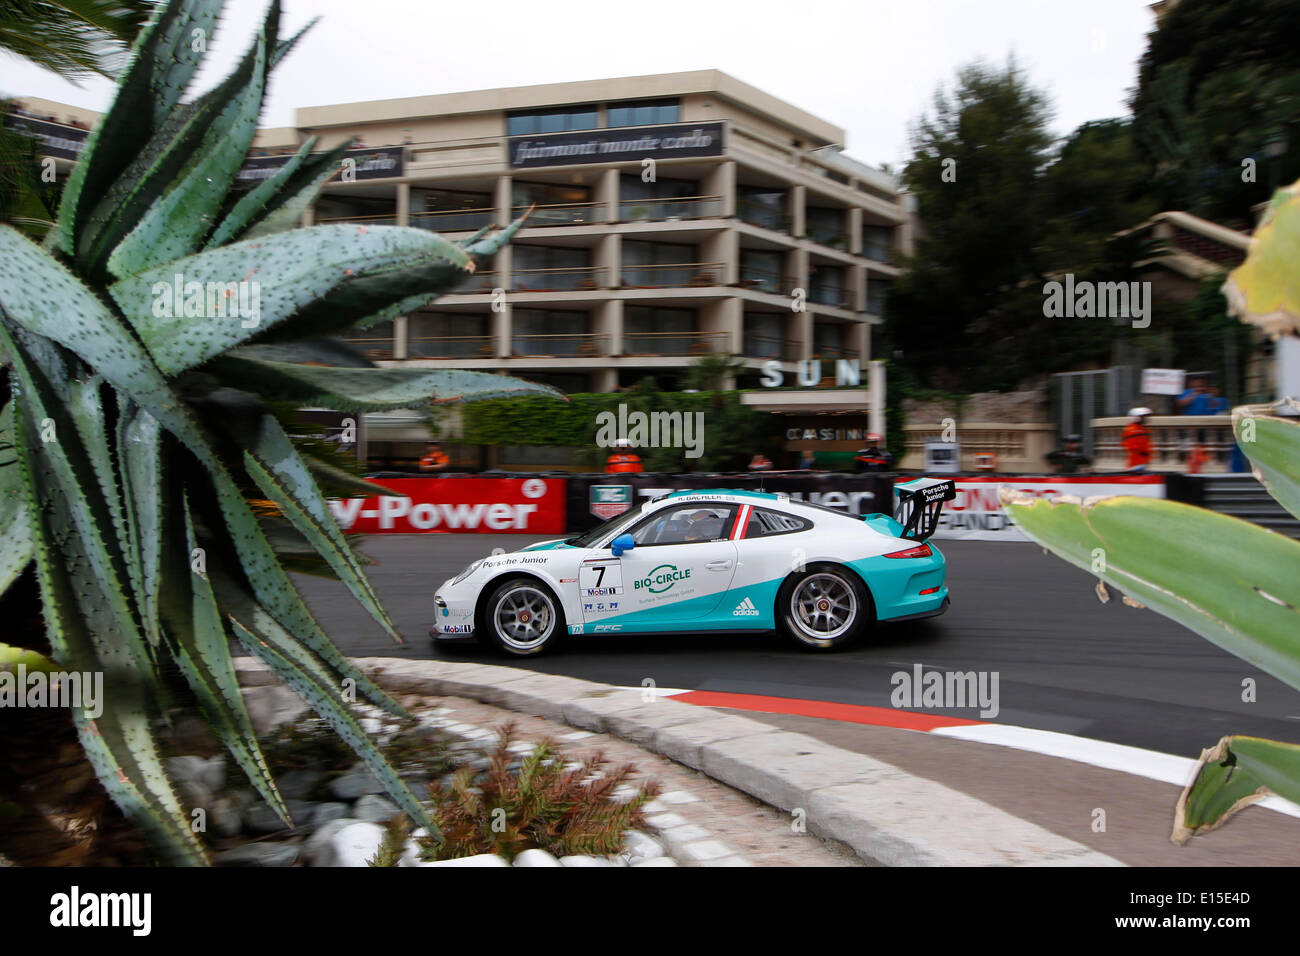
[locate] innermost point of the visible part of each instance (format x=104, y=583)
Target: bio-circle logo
x=533, y=488
x=662, y=578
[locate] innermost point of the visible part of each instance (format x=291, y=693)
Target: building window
x=762, y=207
x=828, y=341
x=448, y=335
x=551, y=268
x=643, y=113
x=761, y=269
x=877, y=243
x=877, y=295
x=550, y=333
x=648, y=331
x=658, y=265
x=826, y=286
x=561, y=120
x=826, y=225
x=765, y=338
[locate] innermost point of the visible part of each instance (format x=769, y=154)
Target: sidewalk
x=885, y=813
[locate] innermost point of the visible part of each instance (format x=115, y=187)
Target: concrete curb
x=889, y=817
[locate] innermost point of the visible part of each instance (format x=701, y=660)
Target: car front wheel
x=523, y=617
x=824, y=607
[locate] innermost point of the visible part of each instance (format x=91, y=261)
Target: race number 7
x=606, y=577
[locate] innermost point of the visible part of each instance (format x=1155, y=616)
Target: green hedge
x=732, y=432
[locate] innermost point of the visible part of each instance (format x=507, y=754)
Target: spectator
x=1069, y=458
x=873, y=457
x=1136, y=440
x=623, y=460
x=1194, y=399
x=1215, y=404
x=435, y=459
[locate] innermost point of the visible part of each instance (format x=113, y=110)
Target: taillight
x=920, y=551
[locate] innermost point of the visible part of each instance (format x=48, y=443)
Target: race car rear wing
x=920, y=502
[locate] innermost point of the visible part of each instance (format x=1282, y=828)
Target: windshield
x=589, y=539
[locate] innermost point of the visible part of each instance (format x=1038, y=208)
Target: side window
x=763, y=523
x=687, y=525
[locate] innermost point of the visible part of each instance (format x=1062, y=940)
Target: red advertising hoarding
x=457, y=506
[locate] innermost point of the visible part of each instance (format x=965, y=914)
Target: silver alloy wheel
x=524, y=618
x=823, y=607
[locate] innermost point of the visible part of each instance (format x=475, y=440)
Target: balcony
x=832, y=352
x=771, y=347
x=672, y=275
x=560, y=345
x=478, y=282
x=760, y=280
x=835, y=296
x=451, y=346
x=672, y=343
x=835, y=238
x=579, y=279
x=563, y=214
x=759, y=214
x=660, y=210
x=878, y=252
x=383, y=219
x=376, y=347
x=454, y=220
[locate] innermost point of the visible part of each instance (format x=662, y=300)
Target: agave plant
x=1247, y=600
x=138, y=421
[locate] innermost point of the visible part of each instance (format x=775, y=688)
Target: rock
x=355, y=784
x=260, y=854
x=355, y=844
x=260, y=818
x=298, y=784
x=226, y=816
x=485, y=859
x=536, y=858
x=319, y=850
x=209, y=774
x=325, y=812
x=271, y=706
x=657, y=861
x=374, y=809
x=193, y=794
x=585, y=861
x=640, y=846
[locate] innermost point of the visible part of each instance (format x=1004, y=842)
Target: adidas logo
x=745, y=609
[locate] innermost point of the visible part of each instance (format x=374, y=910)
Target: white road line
x=1151, y=764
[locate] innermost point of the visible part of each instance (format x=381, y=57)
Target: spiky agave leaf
x=145, y=474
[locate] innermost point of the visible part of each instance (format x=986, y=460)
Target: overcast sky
x=868, y=66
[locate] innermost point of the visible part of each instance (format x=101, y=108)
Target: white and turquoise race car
x=709, y=561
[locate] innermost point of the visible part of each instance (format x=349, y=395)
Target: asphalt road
x=1065, y=661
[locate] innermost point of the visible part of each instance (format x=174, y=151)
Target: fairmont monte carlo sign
x=612, y=145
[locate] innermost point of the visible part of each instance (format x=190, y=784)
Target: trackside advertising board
x=976, y=514
x=457, y=505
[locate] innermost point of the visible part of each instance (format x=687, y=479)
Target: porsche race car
x=710, y=561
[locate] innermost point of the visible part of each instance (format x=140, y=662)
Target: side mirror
x=624, y=542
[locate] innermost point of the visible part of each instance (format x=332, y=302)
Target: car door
x=676, y=574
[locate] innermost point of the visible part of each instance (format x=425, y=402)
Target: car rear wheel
x=824, y=607
x=523, y=617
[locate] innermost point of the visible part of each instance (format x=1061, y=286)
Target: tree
x=1216, y=110
x=959, y=312
x=74, y=38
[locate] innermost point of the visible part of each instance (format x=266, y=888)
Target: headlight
x=473, y=566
